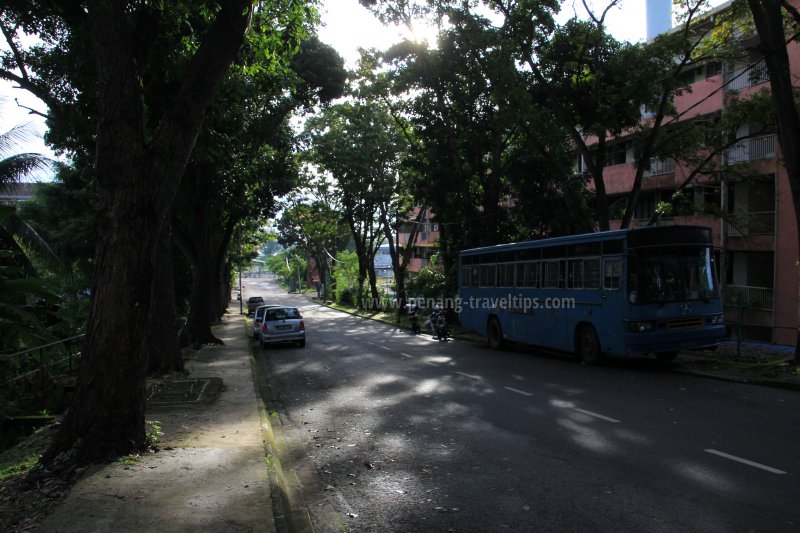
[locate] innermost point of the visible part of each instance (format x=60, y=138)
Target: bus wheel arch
x=494, y=332
x=587, y=344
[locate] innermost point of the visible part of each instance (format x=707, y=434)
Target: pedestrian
x=318, y=285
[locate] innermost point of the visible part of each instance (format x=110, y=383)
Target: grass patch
x=24, y=504
x=25, y=454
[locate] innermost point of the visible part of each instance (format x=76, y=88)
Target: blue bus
x=622, y=293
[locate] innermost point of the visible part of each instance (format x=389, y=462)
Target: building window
x=616, y=154
x=646, y=206
x=713, y=68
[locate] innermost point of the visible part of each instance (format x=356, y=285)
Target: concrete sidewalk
x=211, y=473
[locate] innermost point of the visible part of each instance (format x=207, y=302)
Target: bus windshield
x=672, y=274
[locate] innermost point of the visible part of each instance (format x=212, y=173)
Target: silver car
x=283, y=324
x=258, y=317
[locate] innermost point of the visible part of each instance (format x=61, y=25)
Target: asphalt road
x=395, y=432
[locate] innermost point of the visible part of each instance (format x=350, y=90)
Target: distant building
x=383, y=263
x=427, y=243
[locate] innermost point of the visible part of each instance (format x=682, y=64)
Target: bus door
x=551, y=319
x=611, y=324
x=524, y=325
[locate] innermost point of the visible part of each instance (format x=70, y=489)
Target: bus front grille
x=687, y=322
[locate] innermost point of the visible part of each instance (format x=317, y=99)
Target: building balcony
x=660, y=166
x=749, y=297
x=754, y=149
x=745, y=225
x=747, y=76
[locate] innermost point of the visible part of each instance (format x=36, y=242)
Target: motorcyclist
x=438, y=324
x=414, y=319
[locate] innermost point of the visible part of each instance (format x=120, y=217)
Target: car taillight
x=302, y=325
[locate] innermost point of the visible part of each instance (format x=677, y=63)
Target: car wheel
x=494, y=333
x=302, y=343
x=588, y=346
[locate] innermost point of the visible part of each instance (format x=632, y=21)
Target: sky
x=348, y=26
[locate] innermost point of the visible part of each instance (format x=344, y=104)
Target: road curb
x=761, y=382
x=289, y=509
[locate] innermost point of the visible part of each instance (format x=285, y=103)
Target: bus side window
x=520, y=277
x=591, y=274
x=576, y=274
x=488, y=276
x=612, y=274
x=501, y=276
x=532, y=275
x=552, y=274
x=465, y=279
x=509, y=268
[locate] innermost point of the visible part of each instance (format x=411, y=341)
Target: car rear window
x=282, y=314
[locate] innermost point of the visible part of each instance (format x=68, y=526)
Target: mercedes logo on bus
x=686, y=309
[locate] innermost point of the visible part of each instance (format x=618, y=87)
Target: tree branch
x=9, y=35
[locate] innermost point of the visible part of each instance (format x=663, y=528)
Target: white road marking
x=429, y=363
x=744, y=461
x=597, y=415
x=406, y=355
x=518, y=391
x=469, y=375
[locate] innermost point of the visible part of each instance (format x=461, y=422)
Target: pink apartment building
x=427, y=243
x=757, y=245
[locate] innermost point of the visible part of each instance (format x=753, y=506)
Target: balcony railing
x=757, y=223
x=748, y=76
x=749, y=297
x=751, y=150
x=660, y=166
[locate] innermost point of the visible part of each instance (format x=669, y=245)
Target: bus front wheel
x=494, y=333
x=588, y=346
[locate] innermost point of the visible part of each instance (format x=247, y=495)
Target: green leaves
x=276, y=33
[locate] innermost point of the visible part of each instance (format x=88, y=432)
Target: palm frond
x=16, y=167
x=14, y=252
x=17, y=137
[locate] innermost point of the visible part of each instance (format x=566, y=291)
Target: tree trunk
x=373, y=285
x=203, y=302
x=769, y=24
x=136, y=186
x=224, y=290
x=107, y=411
x=164, y=348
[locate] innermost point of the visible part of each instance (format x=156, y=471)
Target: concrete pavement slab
x=211, y=471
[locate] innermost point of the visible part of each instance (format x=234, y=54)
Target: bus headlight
x=717, y=319
x=639, y=326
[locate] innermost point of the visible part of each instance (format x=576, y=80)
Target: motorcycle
x=439, y=326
